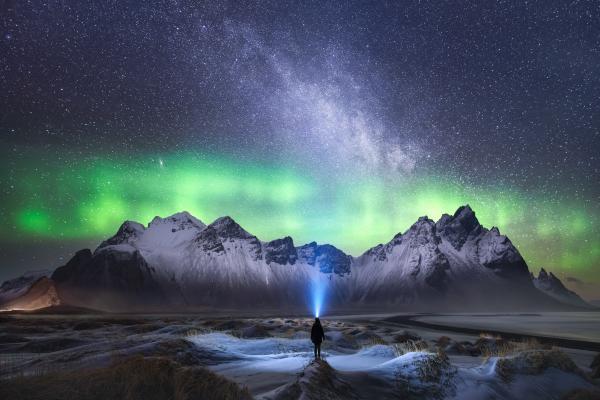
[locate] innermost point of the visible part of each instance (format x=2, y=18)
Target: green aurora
x=88, y=198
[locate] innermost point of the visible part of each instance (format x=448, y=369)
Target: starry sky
x=340, y=122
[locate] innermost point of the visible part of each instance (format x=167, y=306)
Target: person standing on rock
x=317, y=336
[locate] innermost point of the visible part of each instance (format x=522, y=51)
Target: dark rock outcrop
x=458, y=228
x=281, y=251
x=111, y=277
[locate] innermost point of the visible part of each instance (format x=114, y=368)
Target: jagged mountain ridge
x=17, y=287
x=179, y=261
x=40, y=293
x=548, y=283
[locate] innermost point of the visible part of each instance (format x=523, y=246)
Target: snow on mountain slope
x=14, y=288
x=222, y=264
x=409, y=265
x=226, y=265
x=162, y=235
x=453, y=260
x=180, y=261
x=552, y=286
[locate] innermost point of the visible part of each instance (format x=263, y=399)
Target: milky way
x=336, y=123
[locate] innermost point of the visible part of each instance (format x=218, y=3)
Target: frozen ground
x=363, y=357
x=382, y=370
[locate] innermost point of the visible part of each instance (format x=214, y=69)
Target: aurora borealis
x=336, y=124
x=273, y=201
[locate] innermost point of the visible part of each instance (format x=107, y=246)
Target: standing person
x=317, y=336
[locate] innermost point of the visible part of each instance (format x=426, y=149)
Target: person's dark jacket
x=316, y=333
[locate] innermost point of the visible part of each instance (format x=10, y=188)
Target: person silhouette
x=317, y=336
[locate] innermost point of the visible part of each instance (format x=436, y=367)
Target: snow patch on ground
x=424, y=374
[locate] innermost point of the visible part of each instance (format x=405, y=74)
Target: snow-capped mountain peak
x=180, y=260
x=163, y=235
x=421, y=232
x=226, y=227
x=181, y=219
x=457, y=229
x=128, y=232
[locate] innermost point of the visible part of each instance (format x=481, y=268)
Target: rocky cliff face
x=179, y=261
x=112, y=276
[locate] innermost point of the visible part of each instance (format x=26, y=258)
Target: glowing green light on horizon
x=90, y=198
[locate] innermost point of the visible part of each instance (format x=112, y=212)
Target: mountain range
x=180, y=263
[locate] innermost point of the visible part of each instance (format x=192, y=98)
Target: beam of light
x=317, y=294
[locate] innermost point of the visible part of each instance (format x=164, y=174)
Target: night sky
x=339, y=122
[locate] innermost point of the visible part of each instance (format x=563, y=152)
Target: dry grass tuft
x=534, y=362
x=405, y=336
x=193, y=332
x=434, y=378
x=431, y=369
x=499, y=347
x=409, y=346
x=134, y=378
x=375, y=340
x=443, y=341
